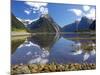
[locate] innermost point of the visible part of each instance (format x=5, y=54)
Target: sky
x=63, y=14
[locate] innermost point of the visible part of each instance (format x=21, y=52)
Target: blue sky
x=63, y=14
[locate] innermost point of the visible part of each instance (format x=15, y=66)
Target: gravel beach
x=42, y=68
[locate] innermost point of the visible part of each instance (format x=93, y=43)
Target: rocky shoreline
x=41, y=68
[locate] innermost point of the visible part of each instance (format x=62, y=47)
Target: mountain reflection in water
x=44, y=49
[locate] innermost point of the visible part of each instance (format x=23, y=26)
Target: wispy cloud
x=91, y=14
x=77, y=12
x=77, y=52
x=40, y=59
x=78, y=19
x=29, y=53
x=27, y=11
x=88, y=11
x=37, y=7
x=93, y=52
x=43, y=10
x=86, y=8
x=86, y=56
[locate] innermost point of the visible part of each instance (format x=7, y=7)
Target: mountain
x=44, y=24
x=44, y=41
x=16, y=24
x=71, y=27
x=84, y=24
x=93, y=25
x=25, y=22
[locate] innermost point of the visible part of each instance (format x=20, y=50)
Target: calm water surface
x=62, y=49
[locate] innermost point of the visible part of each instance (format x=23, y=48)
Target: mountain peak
x=44, y=16
x=84, y=17
x=45, y=24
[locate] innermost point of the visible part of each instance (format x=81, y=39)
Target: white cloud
x=78, y=44
x=29, y=53
x=93, y=52
x=77, y=52
x=37, y=7
x=26, y=44
x=78, y=19
x=43, y=10
x=91, y=14
x=86, y=56
x=29, y=44
x=34, y=11
x=93, y=44
x=77, y=12
x=44, y=61
x=86, y=8
x=38, y=60
x=27, y=11
x=45, y=54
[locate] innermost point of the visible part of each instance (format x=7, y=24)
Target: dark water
x=48, y=48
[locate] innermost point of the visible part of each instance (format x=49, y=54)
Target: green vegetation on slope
x=16, y=25
x=15, y=44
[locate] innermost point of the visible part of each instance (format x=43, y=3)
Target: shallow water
x=58, y=48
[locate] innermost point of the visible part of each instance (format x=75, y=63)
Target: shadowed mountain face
x=71, y=27
x=44, y=24
x=44, y=40
x=15, y=44
x=93, y=25
x=16, y=24
x=84, y=24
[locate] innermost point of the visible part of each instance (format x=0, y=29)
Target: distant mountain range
x=46, y=24
x=84, y=24
x=71, y=27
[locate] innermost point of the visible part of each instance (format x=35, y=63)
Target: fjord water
x=58, y=48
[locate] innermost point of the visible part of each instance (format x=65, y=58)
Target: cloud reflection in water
x=31, y=53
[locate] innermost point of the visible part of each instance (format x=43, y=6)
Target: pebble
x=39, y=68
